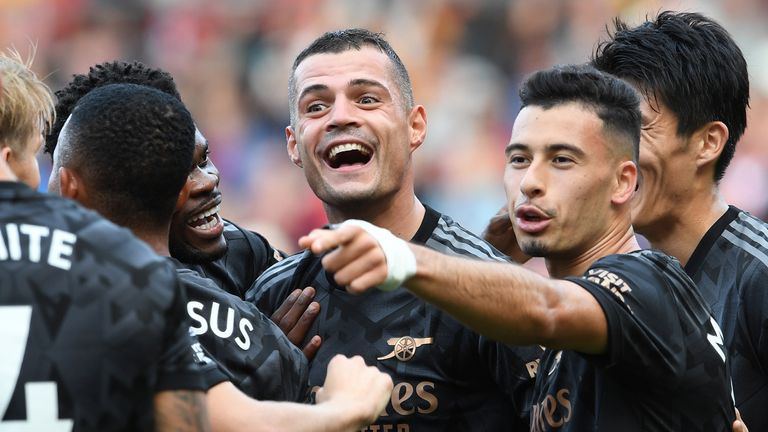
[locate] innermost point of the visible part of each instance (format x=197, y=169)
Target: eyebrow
x=358, y=82
x=550, y=148
x=312, y=89
x=362, y=82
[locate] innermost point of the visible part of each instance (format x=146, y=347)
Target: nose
x=533, y=182
x=343, y=114
x=204, y=179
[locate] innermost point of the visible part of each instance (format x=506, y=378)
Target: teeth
x=347, y=147
x=207, y=213
x=208, y=225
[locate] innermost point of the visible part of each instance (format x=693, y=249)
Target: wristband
x=401, y=262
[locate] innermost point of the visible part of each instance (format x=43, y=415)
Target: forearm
x=230, y=410
x=509, y=303
x=181, y=411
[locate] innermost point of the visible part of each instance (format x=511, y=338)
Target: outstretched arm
x=502, y=301
x=353, y=397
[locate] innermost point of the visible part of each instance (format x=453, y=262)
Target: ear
x=71, y=186
x=6, y=173
x=711, y=139
x=293, y=147
x=183, y=196
x=625, y=180
x=417, y=126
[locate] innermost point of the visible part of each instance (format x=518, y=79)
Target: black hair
x=345, y=40
x=689, y=63
x=133, y=145
x=102, y=74
x=614, y=101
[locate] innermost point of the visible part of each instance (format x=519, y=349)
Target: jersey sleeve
x=249, y=255
x=246, y=344
x=645, y=335
x=178, y=368
x=755, y=299
x=514, y=371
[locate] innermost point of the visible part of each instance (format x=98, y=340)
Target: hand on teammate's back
x=500, y=234
x=295, y=316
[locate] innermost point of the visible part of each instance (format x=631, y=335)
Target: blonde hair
x=26, y=103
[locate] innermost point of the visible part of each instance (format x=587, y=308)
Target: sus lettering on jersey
x=207, y=319
x=32, y=242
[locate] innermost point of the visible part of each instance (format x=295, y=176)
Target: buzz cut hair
x=339, y=41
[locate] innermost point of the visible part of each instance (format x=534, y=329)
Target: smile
x=206, y=220
x=348, y=155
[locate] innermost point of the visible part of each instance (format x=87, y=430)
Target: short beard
x=535, y=248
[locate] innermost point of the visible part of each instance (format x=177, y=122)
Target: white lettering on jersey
x=41, y=397
x=209, y=320
x=59, y=252
x=192, y=308
x=716, y=340
x=62, y=244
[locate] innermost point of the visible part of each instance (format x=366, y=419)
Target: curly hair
x=116, y=72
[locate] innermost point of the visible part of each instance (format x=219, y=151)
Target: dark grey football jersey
x=250, y=349
x=92, y=321
x=447, y=377
x=664, y=369
x=248, y=255
x=730, y=267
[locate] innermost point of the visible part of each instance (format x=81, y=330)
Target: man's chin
x=191, y=255
x=535, y=249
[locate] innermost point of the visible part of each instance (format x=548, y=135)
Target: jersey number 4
x=41, y=397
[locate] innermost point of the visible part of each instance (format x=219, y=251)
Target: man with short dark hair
x=242, y=342
x=230, y=255
x=94, y=333
x=354, y=127
x=153, y=134
x=696, y=89
x=632, y=345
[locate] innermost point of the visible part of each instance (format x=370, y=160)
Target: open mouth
x=206, y=220
x=348, y=155
x=531, y=217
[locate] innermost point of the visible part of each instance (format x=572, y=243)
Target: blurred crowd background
x=231, y=59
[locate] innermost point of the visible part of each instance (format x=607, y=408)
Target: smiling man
x=354, y=128
x=252, y=350
x=631, y=344
x=696, y=89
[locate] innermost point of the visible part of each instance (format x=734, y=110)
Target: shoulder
x=451, y=238
x=636, y=275
x=281, y=274
x=749, y=235
x=247, y=241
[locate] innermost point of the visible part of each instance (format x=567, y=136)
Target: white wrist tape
x=401, y=262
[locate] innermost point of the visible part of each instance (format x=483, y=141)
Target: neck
x=682, y=231
x=402, y=215
x=616, y=241
x=156, y=238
